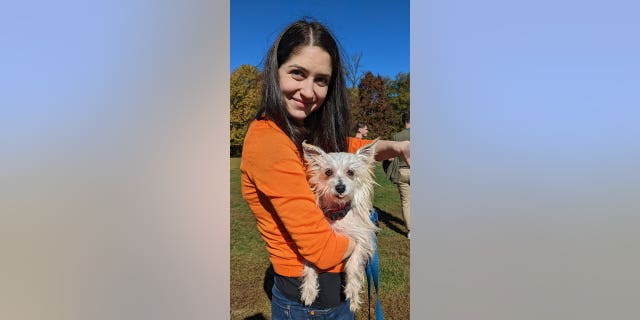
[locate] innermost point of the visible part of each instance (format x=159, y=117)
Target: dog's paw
x=309, y=295
x=310, y=286
x=351, y=292
x=354, y=304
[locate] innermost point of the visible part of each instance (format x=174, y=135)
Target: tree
x=398, y=94
x=353, y=97
x=245, y=89
x=373, y=108
x=351, y=66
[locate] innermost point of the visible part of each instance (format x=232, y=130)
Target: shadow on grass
x=393, y=223
x=257, y=316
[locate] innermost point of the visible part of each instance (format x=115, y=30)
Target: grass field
x=250, y=261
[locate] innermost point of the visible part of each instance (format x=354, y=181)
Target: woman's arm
x=386, y=149
x=272, y=165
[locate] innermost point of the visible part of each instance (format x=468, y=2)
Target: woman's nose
x=306, y=89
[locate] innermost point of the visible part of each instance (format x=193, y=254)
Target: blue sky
x=378, y=29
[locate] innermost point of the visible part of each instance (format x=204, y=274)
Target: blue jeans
x=284, y=309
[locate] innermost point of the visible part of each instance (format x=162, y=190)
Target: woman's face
x=304, y=81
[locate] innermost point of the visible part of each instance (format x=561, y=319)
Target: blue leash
x=372, y=271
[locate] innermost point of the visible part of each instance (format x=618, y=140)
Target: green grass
x=249, y=258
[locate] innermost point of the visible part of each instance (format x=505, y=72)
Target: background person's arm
x=386, y=149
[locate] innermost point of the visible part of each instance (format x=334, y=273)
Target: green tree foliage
x=373, y=108
x=245, y=89
x=398, y=94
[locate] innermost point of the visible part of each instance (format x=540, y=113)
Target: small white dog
x=343, y=185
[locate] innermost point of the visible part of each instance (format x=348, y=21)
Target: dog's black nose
x=340, y=188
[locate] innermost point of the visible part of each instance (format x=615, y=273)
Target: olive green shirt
x=403, y=135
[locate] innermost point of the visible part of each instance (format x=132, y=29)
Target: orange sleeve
x=353, y=144
x=278, y=172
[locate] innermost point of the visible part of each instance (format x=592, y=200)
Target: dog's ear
x=310, y=151
x=368, y=151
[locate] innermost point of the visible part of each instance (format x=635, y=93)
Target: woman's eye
x=322, y=82
x=328, y=172
x=297, y=74
x=350, y=173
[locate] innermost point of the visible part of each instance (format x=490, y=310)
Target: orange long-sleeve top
x=275, y=186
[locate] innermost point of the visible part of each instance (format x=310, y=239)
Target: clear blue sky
x=378, y=29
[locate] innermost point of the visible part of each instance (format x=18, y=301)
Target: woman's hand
x=350, y=247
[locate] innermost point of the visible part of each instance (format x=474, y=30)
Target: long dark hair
x=328, y=126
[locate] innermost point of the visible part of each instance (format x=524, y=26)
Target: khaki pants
x=405, y=195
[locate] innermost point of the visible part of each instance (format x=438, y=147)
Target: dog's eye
x=350, y=173
x=328, y=172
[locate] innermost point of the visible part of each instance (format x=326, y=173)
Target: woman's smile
x=304, y=81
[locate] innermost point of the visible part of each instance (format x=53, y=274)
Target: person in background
x=401, y=174
x=361, y=130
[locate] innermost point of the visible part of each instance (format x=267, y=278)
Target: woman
x=304, y=98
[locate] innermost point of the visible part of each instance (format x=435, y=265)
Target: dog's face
x=336, y=177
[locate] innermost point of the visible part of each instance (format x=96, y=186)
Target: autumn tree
x=373, y=108
x=245, y=88
x=353, y=97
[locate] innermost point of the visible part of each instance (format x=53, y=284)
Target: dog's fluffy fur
x=337, y=179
